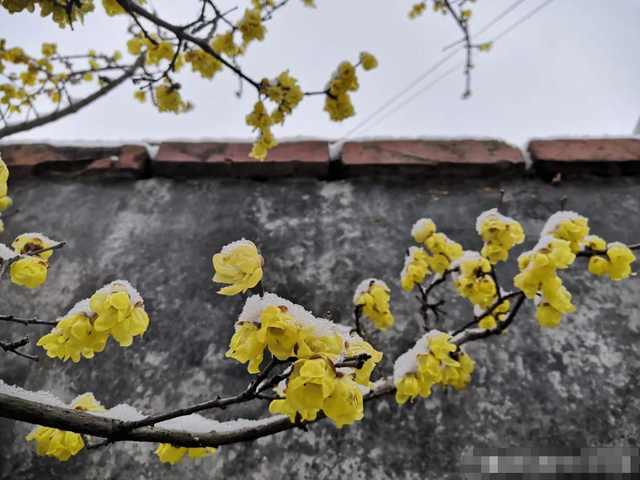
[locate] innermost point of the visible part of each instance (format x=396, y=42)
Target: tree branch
x=12, y=129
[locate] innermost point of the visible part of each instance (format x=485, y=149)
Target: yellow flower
x=408, y=388
x=245, y=346
x=167, y=453
x=49, y=49
x=284, y=407
x=30, y=272
x=458, y=376
x=169, y=100
x=368, y=61
x=363, y=374
x=4, y=173
x=473, y=280
x=429, y=372
x=618, y=263
x=204, y=63
x=238, y=264
x=548, y=316
x=31, y=242
x=311, y=382
x=310, y=344
x=119, y=314
x=620, y=259
x=140, y=96
x=417, y=10
x=416, y=267
x=74, y=336
x=423, y=229
x=223, y=43
x=567, y=226
x=59, y=443
x=251, y=26
x=372, y=296
x=441, y=348
x=345, y=403
x=499, y=234
x=278, y=331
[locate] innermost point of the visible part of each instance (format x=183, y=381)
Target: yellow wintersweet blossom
x=338, y=102
x=499, y=234
x=311, y=382
x=310, y=344
x=238, y=264
x=345, y=403
x=283, y=406
x=224, y=43
x=74, y=336
x=32, y=242
x=61, y=444
x=49, y=49
x=140, y=96
x=278, y=332
x=363, y=375
x=251, y=26
x=440, y=347
x=245, y=346
x=368, y=61
x=458, y=376
x=168, y=99
x=204, y=63
x=30, y=272
x=112, y=7
x=417, y=10
x=408, y=388
x=372, y=295
x=473, y=280
x=538, y=267
x=443, y=251
x=567, y=226
x=416, y=267
x=618, y=264
x=167, y=453
x=120, y=312
x=423, y=229
x=429, y=372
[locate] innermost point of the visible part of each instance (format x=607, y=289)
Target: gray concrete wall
x=575, y=386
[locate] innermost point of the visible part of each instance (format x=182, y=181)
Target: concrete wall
x=572, y=387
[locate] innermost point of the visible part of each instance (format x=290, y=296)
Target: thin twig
x=14, y=347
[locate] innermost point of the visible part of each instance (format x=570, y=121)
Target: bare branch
x=27, y=321
x=14, y=347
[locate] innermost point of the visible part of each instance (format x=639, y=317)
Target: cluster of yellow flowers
x=30, y=77
x=285, y=92
x=432, y=361
x=115, y=310
x=59, y=443
x=251, y=26
x=167, y=453
x=238, y=264
x=373, y=297
x=288, y=331
x=344, y=80
x=472, y=279
x=499, y=234
x=617, y=265
x=57, y=9
x=564, y=235
x=418, y=262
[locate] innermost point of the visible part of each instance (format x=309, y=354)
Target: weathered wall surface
x=575, y=386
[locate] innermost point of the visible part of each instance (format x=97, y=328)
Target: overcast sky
x=573, y=69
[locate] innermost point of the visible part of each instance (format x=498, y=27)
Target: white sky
x=572, y=70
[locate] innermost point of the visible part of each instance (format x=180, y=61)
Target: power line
x=501, y=35
x=428, y=72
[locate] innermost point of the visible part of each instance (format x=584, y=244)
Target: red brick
x=42, y=159
x=294, y=159
x=596, y=157
x=434, y=157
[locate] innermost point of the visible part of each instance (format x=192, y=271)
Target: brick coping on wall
x=381, y=158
